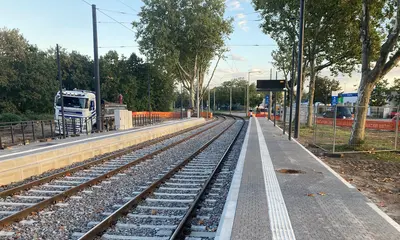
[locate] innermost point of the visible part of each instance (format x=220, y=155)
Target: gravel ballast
x=160, y=222
x=61, y=220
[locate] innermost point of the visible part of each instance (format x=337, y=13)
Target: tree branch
x=183, y=79
x=183, y=70
x=320, y=67
x=212, y=75
x=386, y=48
x=391, y=63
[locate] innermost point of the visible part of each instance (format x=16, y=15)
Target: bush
x=37, y=116
x=10, y=117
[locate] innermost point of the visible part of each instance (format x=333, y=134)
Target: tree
x=182, y=37
x=395, y=92
x=323, y=89
x=330, y=35
x=380, y=94
x=380, y=20
x=13, y=50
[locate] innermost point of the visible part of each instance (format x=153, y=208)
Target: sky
x=69, y=24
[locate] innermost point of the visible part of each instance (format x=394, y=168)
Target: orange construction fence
x=170, y=114
x=369, y=124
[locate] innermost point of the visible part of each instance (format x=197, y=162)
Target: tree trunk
x=360, y=116
x=364, y=90
x=191, y=97
x=311, y=92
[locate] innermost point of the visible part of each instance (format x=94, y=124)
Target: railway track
x=18, y=202
x=162, y=209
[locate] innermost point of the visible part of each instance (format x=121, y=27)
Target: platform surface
x=316, y=204
x=35, y=147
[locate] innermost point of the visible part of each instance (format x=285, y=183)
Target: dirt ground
x=376, y=175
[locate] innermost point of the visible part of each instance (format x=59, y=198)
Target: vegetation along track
x=20, y=201
x=162, y=209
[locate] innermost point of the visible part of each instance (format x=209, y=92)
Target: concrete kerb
x=33, y=164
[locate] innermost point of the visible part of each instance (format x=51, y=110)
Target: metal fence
x=16, y=133
x=332, y=126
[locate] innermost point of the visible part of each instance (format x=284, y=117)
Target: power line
x=128, y=6
x=116, y=20
x=116, y=11
x=234, y=63
x=87, y=3
x=119, y=47
x=238, y=45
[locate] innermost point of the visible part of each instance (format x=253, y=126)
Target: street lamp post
x=248, y=86
x=230, y=100
x=299, y=70
x=214, y=100
x=247, y=93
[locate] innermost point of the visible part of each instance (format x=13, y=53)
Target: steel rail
x=123, y=210
x=47, y=202
x=120, y=153
x=178, y=232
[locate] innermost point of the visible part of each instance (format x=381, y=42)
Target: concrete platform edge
x=228, y=215
x=19, y=168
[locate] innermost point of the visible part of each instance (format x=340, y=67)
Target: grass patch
x=384, y=156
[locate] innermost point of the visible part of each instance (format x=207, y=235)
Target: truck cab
x=79, y=111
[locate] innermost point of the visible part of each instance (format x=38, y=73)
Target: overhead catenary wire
x=116, y=21
x=234, y=45
x=120, y=23
x=86, y=2
x=116, y=11
x=128, y=6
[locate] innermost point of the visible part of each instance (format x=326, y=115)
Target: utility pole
x=96, y=71
x=244, y=99
x=276, y=78
x=209, y=102
x=214, y=99
x=299, y=71
x=198, y=99
x=148, y=90
x=291, y=91
x=230, y=100
x=270, y=97
x=247, y=94
x=61, y=93
x=181, y=101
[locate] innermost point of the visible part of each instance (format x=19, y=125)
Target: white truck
x=80, y=111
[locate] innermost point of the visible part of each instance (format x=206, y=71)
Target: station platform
x=265, y=201
x=21, y=162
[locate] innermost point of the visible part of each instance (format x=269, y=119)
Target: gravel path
x=61, y=220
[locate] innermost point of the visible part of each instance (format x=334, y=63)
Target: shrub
x=10, y=117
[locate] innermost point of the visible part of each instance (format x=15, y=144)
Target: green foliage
x=182, y=37
x=10, y=117
x=395, y=92
x=238, y=86
x=28, y=78
x=331, y=32
x=323, y=89
x=380, y=94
